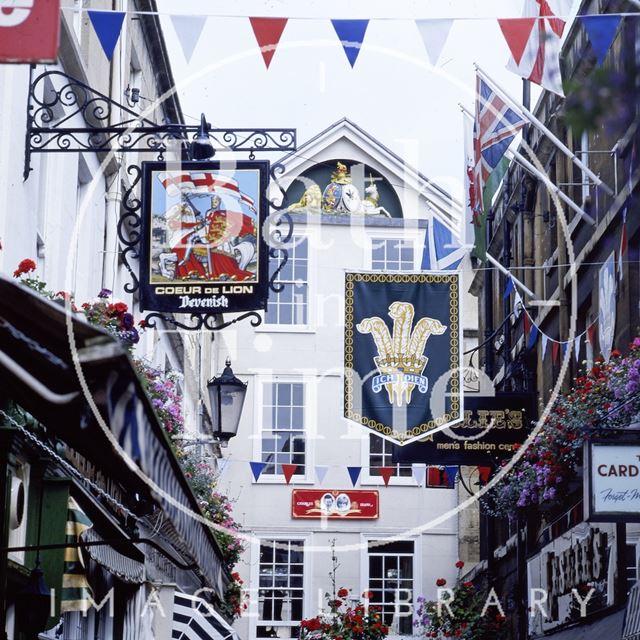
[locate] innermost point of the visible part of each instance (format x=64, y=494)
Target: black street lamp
x=201, y=147
x=226, y=395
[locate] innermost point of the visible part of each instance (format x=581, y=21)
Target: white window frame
x=307, y=575
x=411, y=236
x=376, y=480
x=310, y=326
x=309, y=428
x=417, y=575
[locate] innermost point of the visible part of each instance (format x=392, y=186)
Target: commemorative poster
x=402, y=353
x=202, y=249
x=335, y=504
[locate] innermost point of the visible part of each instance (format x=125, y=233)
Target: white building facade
x=293, y=413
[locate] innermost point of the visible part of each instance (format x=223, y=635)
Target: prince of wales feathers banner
x=402, y=353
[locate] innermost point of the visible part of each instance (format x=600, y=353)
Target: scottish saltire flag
x=442, y=250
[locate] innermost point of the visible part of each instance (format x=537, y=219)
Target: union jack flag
x=496, y=125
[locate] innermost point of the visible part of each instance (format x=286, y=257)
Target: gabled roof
x=441, y=203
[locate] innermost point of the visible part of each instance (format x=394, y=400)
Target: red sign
x=334, y=504
x=29, y=30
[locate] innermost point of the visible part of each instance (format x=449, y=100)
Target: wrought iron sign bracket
x=58, y=102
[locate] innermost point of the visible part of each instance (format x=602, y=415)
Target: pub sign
x=203, y=249
x=335, y=504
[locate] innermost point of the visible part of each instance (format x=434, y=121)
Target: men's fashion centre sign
x=612, y=487
x=203, y=249
x=334, y=504
x=29, y=30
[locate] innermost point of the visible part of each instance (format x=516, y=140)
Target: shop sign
x=335, y=504
x=402, y=353
x=493, y=429
x=203, y=249
x=29, y=30
x=572, y=577
x=612, y=481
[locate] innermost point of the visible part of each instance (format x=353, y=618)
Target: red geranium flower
x=459, y=564
x=343, y=592
x=25, y=266
x=440, y=582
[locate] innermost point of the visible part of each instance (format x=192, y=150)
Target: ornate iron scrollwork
x=56, y=100
x=279, y=235
x=202, y=321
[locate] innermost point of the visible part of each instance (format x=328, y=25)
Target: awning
x=195, y=619
x=609, y=628
x=39, y=342
x=125, y=568
x=632, y=615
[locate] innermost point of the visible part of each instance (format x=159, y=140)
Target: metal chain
x=32, y=344
x=67, y=466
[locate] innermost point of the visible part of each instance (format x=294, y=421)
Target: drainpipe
x=114, y=184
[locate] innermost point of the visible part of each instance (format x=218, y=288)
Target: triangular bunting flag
x=565, y=346
x=484, y=473
x=533, y=336
x=351, y=34
x=288, y=471
x=545, y=341
x=516, y=32
x=386, y=473
x=268, y=32
x=451, y=475
x=623, y=245
x=601, y=30
x=257, y=468
x=591, y=333
x=354, y=474
x=508, y=289
x=555, y=350
x=527, y=323
x=321, y=472
x=434, y=477
x=107, y=25
x=188, y=29
x=434, y=34
x=419, y=472
x=222, y=465
x=576, y=345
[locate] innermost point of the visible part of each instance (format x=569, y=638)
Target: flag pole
x=506, y=272
x=520, y=159
x=525, y=113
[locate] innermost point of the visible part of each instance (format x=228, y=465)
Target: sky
x=393, y=92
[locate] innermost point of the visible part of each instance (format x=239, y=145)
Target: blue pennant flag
x=533, y=336
x=601, y=30
x=442, y=250
x=354, y=474
x=107, y=25
x=509, y=289
x=351, y=34
x=257, y=468
x=452, y=474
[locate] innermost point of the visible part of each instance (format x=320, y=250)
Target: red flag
x=484, y=473
x=555, y=350
x=268, y=32
x=517, y=32
x=434, y=477
x=289, y=470
x=538, y=57
x=386, y=473
x=527, y=323
x=591, y=333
